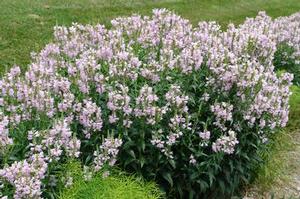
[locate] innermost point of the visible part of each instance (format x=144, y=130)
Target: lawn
x=27, y=25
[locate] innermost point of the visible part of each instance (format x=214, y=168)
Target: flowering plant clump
x=286, y=33
x=187, y=106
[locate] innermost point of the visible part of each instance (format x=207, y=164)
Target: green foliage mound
x=117, y=185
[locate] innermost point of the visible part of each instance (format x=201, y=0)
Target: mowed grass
x=27, y=25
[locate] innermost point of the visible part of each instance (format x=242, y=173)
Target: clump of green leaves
x=116, y=185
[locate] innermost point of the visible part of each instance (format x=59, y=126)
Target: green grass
x=27, y=25
x=116, y=186
x=294, y=119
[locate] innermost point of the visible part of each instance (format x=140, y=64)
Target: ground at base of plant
x=287, y=185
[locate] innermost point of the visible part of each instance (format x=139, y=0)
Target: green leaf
x=143, y=146
x=222, y=185
x=167, y=177
x=142, y=161
x=194, y=175
x=88, y=159
x=179, y=189
x=203, y=185
x=131, y=153
x=191, y=194
x=128, y=161
x=128, y=144
x=211, y=178
x=172, y=163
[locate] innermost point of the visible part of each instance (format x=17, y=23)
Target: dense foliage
x=285, y=60
x=186, y=106
x=116, y=185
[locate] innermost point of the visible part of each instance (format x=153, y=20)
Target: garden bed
x=189, y=107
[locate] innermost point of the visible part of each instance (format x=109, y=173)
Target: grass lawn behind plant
x=27, y=25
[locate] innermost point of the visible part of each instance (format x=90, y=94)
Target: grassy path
x=287, y=185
